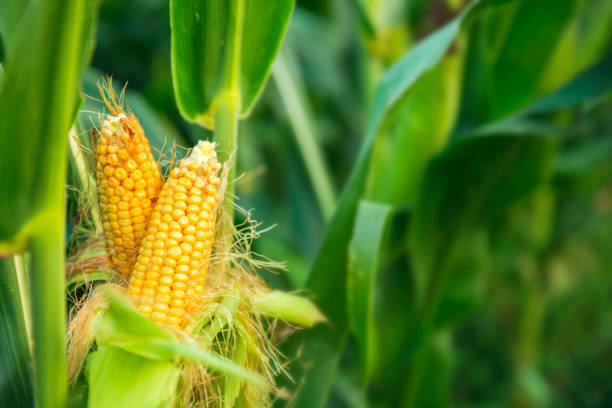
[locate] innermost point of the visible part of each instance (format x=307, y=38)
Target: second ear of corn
x=129, y=181
x=170, y=269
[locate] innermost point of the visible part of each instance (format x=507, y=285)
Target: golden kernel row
x=170, y=269
x=129, y=181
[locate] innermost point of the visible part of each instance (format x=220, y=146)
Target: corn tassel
x=170, y=270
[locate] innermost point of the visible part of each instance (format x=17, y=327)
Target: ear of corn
x=129, y=181
x=170, y=269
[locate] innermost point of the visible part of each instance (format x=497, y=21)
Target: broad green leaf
x=520, y=42
x=11, y=12
x=420, y=128
x=320, y=347
x=16, y=379
x=456, y=194
x=223, y=48
x=581, y=44
x=42, y=69
x=585, y=157
x=438, y=376
x=119, y=378
x=466, y=283
x=591, y=86
x=365, y=250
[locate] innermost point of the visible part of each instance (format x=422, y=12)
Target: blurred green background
x=524, y=316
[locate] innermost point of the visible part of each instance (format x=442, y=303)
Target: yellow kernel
x=184, y=182
x=199, y=183
x=158, y=316
x=165, y=281
x=123, y=214
x=177, y=214
x=145, y=309
x=195, y=200
x=131, y=165
x=174, y=252
x=177, y=303
x=167, y=271
x=178, y=294
x=180, y=197
x=176, y=312
x=120, y=173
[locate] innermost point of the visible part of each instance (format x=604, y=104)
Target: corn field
x=305, y=203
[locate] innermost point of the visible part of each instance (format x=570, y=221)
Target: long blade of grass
x=291, y=89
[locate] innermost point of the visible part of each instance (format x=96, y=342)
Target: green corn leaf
x=223, y=49
x=43, y=64
x=320, y=347
x=456, y=194
x=119, y=378
x=591, y=86
x=364, y=258
x=420, y=128
x=11, y=12
x=584, y=39
x=16, y=381
x=510, y=78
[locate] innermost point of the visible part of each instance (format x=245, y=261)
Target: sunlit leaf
x=117, y=377
x=16, y=380
x=222, y=47
x=364, y=259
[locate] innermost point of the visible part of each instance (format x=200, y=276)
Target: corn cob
x=129, y=181
x=171, y=266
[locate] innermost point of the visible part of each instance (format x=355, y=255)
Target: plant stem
x=227, y=117
x=226, y=135
x=47, y=284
